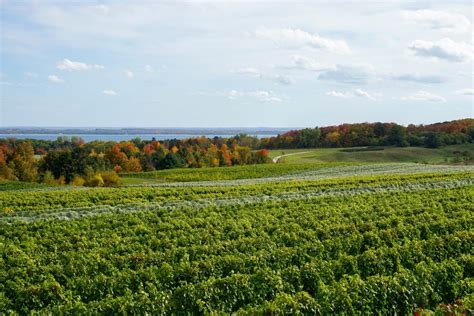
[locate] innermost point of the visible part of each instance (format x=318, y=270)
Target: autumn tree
x=5, y=172
x=225, y=157
x=24, y=162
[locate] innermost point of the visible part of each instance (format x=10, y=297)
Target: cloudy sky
x=240, y=64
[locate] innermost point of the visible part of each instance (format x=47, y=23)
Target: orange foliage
x=133, y=165
x=148, y=149
x=263, y=152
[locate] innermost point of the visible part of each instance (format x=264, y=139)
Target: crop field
x=224, y=173
x=16, y=185
x=309, y=238
x=377, y=154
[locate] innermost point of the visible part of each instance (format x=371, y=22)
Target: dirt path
x=275, y=160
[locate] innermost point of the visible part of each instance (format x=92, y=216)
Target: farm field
x=223, y=173
x=312, y=238
x=299, y=160
x=377, y=154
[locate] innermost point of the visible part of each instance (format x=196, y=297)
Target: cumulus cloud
x=347, y=74
x=55, y=79
x=445, y=49
x=468, y=91
x=352, y=94
x=439, y=20
x=419, y=78
x=305, y=63
x=259, y=95
x=111, y=93
x=424, y=96
x=69, y=65
x=288, y=36
x=129, y=73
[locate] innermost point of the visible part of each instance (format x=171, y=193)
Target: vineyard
x=268, y=239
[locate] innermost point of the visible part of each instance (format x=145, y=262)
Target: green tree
x=398, y=136
x=434, y=140
x=308, y=138
x=171, y=160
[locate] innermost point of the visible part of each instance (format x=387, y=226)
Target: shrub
x=94, y=180
x=48, y=178
x=110, y=178
x=78, y=181
x=61, y=180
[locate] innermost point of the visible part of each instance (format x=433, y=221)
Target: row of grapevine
x=12, y=201
x=374, y=252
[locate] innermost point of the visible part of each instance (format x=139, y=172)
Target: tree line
x=375, y=134
x=98, y=163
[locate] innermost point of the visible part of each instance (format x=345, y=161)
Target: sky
x=234, y=64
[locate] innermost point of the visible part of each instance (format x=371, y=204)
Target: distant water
x=115, y=137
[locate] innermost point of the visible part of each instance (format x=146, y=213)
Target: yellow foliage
x=78, y=181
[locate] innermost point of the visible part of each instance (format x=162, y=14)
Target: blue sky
x=234, y=64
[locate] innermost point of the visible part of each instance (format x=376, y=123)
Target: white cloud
x=55, y=79
x=439, y=20
x=109, y=92
x=129, y=73
x=69, y=65
x=468, y=91
x=301, y=38
x=337, y=94
x=149, y=69
x=351, y=94
x=259, y=95
x=445, y=48
x=424, y=96
x=364, y=94
x=305, y=63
